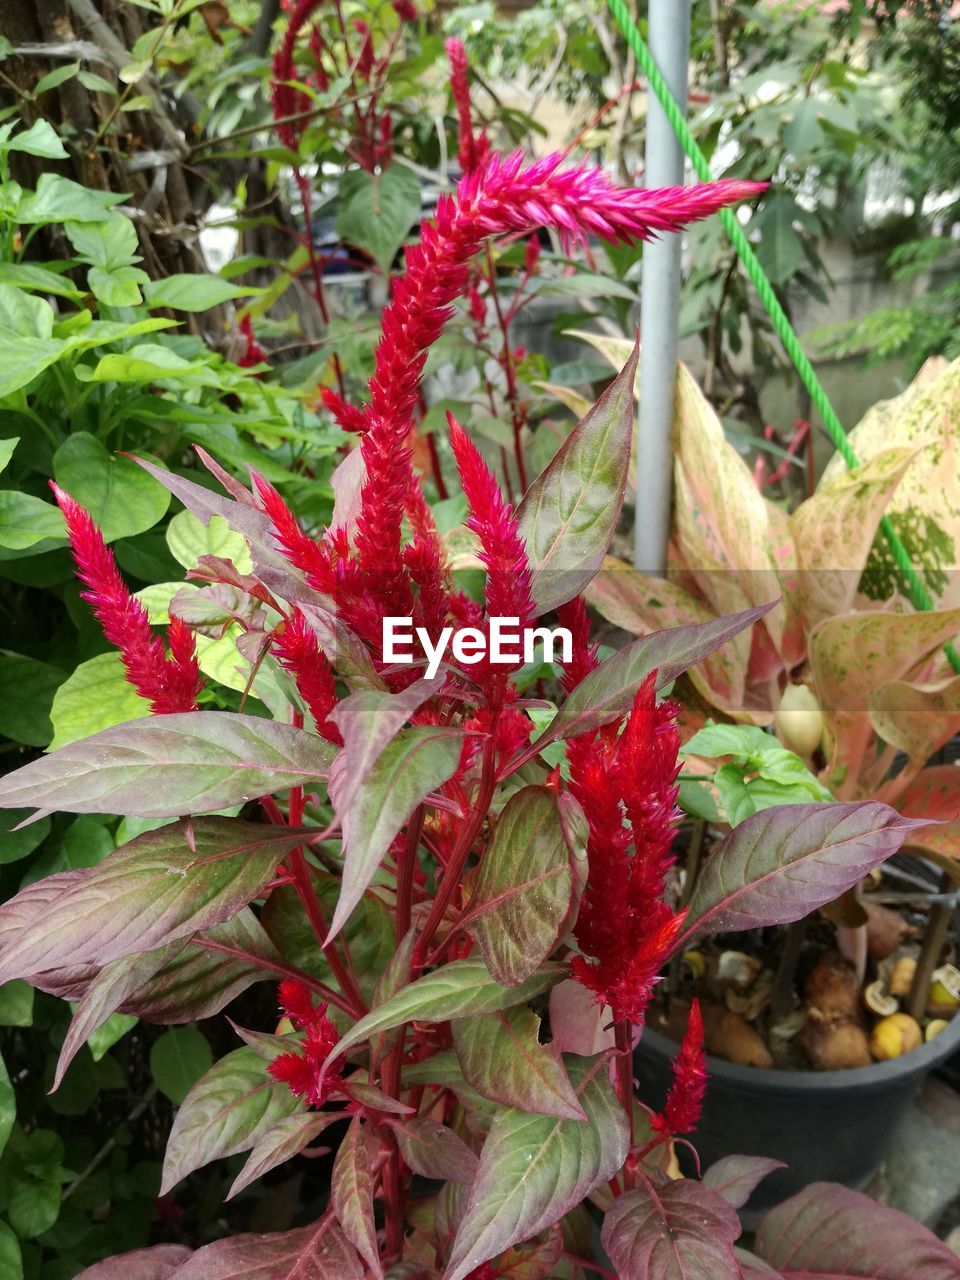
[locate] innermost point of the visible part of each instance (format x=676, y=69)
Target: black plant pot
x=826, y=1126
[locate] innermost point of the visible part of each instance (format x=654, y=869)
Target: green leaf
x=50, y=81
x=105, y=244
x=96, y=84
x=672, y=1232
x=16, y=1004
x=96, y=696
x=534, y=1169
x=120, y=497
x=524, y=888
x=58, y=199
x=454, y=991
x=351, y=1194
x=418, y=760
x=189, y=539
x=26, y=520
x=170, y=765
x=109, y=1033
x=783, y=863
x=27, y=689
x=23, y=315
x=148, y=362
x=197, y=292
x=6, y=450
x=503, y=1059
x=15, y=845
x=378, y=212
x=118, y=287
x=11, y=1262
x=779, y=248
x=40, y=139
x=34, y=1206
x=27, y=275
x=164, y=885
x=569, y=514
x=177, y=1061
x=230, y=1108
x=8, y=1106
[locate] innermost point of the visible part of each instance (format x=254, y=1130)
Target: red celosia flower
x=345, y=415
x=299, y=652
x=681, y=1113
x=303, y=552
x=625, y=930
x=507, y=587
x=286, y=98
x=405, y=9
x=583, y=656
x=531, y=255
x=301, y=1072
x=365, y=56
x=252, y=353
x=171, y=684
x=501, y=197
x=471, y=151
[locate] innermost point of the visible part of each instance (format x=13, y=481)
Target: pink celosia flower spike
x=171, y=683
x=502, y=196
x=472, y=151
x=681, y=1113
x=507, y=588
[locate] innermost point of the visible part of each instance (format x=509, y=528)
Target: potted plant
x=851, y=677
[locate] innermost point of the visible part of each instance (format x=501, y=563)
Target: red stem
x=282, y=970
x=406, y=871
x=516, y=412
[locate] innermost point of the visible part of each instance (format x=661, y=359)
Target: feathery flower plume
x=344, y=414
x=625, y=930
x=301, y=1072
x=681, y=1112
x=252, y=353
x=531, y=255
x=303, y=552
x=507, y=586
x=500, y=197
x=299, y=652
x=583, y=654
x=472, y=151
x=287, y=100
x=365, y=56
x=171, y=684
x=405, y=9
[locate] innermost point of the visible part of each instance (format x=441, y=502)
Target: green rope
x=791, y=343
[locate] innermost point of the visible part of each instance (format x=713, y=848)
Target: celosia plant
x=420, y=813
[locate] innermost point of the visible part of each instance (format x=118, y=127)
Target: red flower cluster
x=170, y=683
x=295, y=644
x=301, y=1072
x=625, y=930
x=681, y=1113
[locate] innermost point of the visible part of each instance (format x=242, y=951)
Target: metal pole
x=669, y=26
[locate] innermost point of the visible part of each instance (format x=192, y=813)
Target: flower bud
x=799, y=720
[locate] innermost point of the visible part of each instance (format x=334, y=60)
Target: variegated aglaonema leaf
x=534, y=1169
x=675, y=1231
x=569, y=514
x=164, y=885
x=170, y=765
x=781, y=864
x=524, y=887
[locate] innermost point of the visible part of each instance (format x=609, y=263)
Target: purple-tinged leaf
x=754, y=1268
x=416, y=762
x=534, y=1169
x=434, y=1151
x=165, y=885
x=578, y=1023
x=522, y=899
x=318, y=1252
x=607, y=693
x=828, y=1232
x=503, y=1059
x=395, y=976
x=453, y=991
x=351, y=1194
x=673, y=1232
x=737, y=1177
x=343, y=649
x=569, y=514
x=374, y=1099
x=168, y=766
x=228, y=1110
x=781, y=864
x=157, y=1263
x=286, y=1139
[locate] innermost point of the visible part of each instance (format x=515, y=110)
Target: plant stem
x=406, y=871
x=300, y=875
x=624, y=1042
x=513, y=398
x=781, y=996
x=937, y=924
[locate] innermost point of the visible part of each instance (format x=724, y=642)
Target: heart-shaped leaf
x=228, y=1110
x=783, y=863
x=454, y=991
x=827, y=1232
x=534, y=1169
x=171, y=765
x=416, y=762
x=569, y=514
x=524, y=888
x=164, y=885
x=503, y=1059
x=673, y=1232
